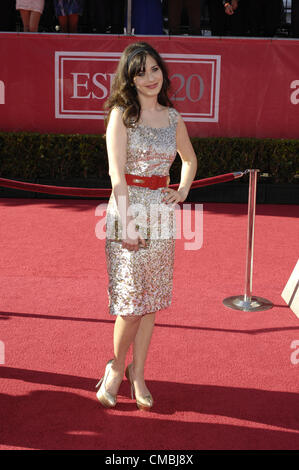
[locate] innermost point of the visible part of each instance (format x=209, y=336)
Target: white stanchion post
x=247, y=302
x=290, y=293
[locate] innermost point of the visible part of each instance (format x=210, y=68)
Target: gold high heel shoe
x=143, y=403
x=107, y=399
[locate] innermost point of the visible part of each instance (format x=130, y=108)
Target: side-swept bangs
x=136, y=65
x=123, y=93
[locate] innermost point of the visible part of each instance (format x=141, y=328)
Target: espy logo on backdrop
x=83, y=81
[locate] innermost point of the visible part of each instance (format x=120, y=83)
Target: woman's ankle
x=138, y=372
x=118, y=364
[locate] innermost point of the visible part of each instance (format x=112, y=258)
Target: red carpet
x=221, y=379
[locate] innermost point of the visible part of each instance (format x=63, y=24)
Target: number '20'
x=186, y=86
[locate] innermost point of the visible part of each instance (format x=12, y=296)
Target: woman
x=67, y=12
x=143, y=135
x=30, y=11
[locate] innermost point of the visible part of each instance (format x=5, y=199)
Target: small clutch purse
x=118, y=237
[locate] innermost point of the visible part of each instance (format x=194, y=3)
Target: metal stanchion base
x=253, y=304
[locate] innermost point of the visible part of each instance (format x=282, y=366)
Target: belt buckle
x=136, y=180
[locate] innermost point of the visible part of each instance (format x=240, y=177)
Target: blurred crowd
x=255, y=18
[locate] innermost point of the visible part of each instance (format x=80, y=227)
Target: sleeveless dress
x=68, y=7
x=32, y=5
x=140, y=282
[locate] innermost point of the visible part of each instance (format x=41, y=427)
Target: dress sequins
x=141, y=281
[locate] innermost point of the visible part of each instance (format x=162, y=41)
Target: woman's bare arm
x=189, y=166
x=116, y=140
x=188, y=157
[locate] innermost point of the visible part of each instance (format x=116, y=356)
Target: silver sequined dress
x=141, y=281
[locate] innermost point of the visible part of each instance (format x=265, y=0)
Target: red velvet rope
x=102, y=192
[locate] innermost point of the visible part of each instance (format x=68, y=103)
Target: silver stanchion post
x=129, y=17
x=247, y=302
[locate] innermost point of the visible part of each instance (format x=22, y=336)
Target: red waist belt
x=152, y=182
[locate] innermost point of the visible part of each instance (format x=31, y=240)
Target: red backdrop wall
x=222, y=87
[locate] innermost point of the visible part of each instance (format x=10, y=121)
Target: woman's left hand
x=171, y=196
x=234, y=4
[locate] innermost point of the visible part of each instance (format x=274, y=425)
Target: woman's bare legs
x=25, y=15
x=140, y=349
x=63, y=23
x=30, y=20
x=73, y=23
x=128, y=330
x=125, y=329
x=68, y=24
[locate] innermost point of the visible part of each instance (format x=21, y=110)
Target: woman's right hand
x=228, y=9
x=133, y=242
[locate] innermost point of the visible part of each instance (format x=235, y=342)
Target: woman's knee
x=129, y=319
x=133, y=319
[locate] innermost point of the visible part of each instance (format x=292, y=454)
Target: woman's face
x=149, y=82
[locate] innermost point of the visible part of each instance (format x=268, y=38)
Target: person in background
x=8, y=15
x=147, y=17
x=228, y=17
x=175, y=9
x=30, y=11
x=67, y=12
x=295, y=19
x=264, y=17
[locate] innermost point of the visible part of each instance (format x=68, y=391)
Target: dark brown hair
x=123, y=92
